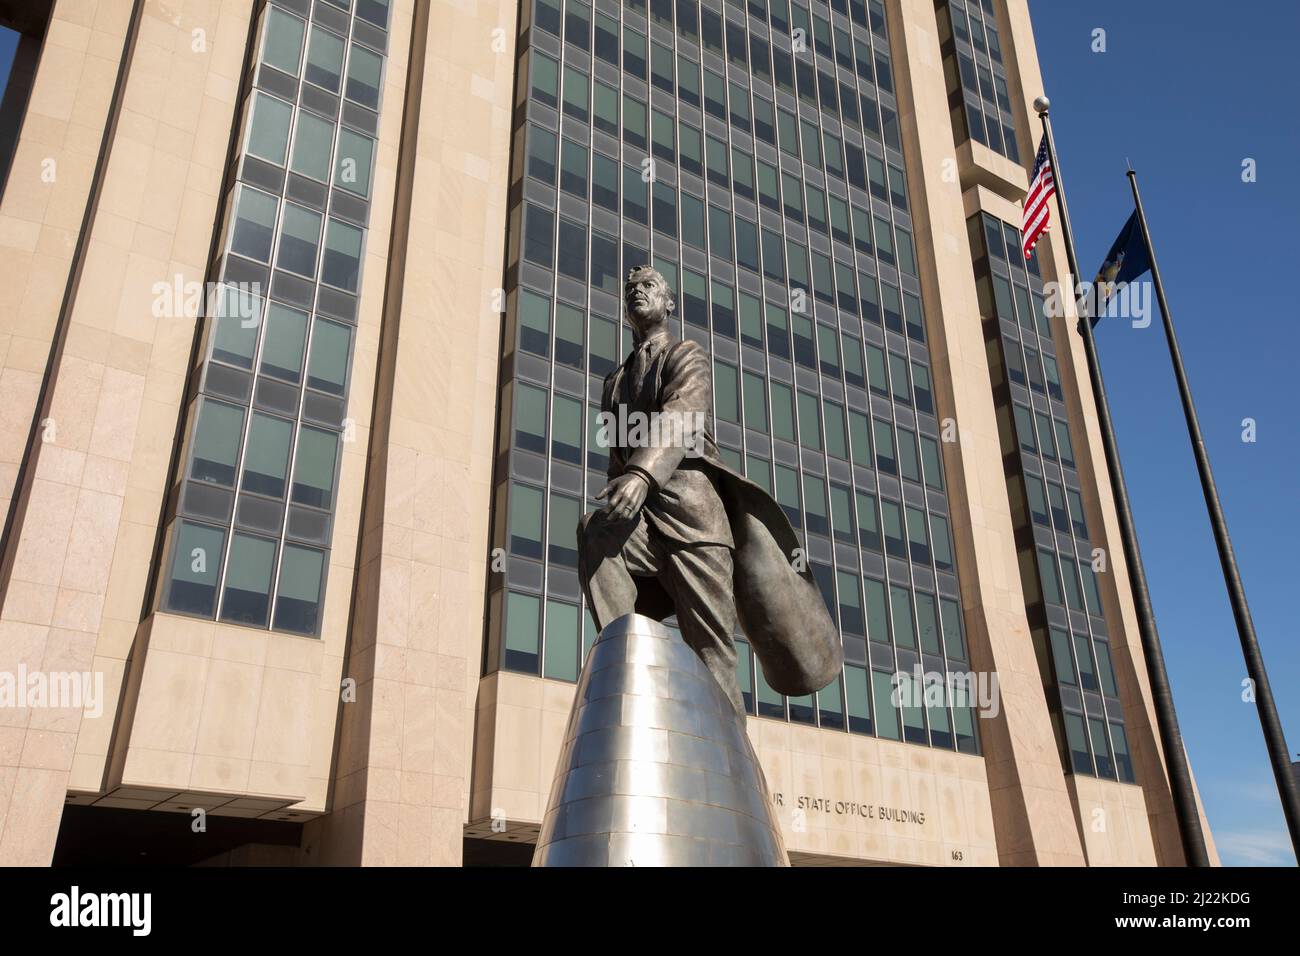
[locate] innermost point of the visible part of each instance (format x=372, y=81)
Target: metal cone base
x=656, y=768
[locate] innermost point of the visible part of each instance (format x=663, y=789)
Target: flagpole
x=1274, y=737
x=1180, y=775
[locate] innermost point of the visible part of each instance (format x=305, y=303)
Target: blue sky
x=1187, y=91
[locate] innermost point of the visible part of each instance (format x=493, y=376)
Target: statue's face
x=647, y=298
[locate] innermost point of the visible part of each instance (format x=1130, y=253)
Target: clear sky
x=1187, y=90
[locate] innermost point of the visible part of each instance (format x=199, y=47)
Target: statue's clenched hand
x=625, y=495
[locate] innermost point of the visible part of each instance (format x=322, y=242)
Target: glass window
x=782, y=412
x=942, y=543
x=605, y=109
x=352, y=165
x=374, y=11
x=313, y=470
x=522, y=627
x=539, y=239
x=341, y=263
x=266, y=455
x=836, y=445
x=364, y=68
x=195, y=563
x=254, y=224
x=246, y=596
x=918, y=539
x=268, y=132
x=299, y=240
x=283, y=46
x=886, y=461
x=892, y=522
x=327, y=367
x=313, y=142
x=810, y=434
x=566, y=429
x=298, y=593
x=562, y=639
x=525, y=523
x=725, y=391
x=576, y=91
x=755, y=402
x=931, y=463
x=235, y=323
x=908, y=463
x=545, y=80
x=882, y=688
x=324, y=59
x=1051, y=579
x=217, y=437
x=900, y=610
x=868, y=522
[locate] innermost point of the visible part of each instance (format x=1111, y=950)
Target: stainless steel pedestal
x=656, y=768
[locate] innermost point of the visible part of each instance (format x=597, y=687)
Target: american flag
x=1038, y=211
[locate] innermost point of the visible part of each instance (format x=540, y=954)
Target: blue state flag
x=1126, y=261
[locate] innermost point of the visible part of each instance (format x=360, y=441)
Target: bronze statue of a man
x=682, y=533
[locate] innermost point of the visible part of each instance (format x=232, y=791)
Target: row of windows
x=287, y=36
x=977, y=85
x=1091, y=733
x=576, y=251
x=308, y=145
x=761, y=325
x=547, y=638
x=250, y=541
x=599, y=104
x=810, y=36
x=595, y=177
x=309, y=244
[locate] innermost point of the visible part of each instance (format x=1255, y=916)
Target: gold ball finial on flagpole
x=1042, y=105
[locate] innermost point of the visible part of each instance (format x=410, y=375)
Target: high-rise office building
x=309, y=303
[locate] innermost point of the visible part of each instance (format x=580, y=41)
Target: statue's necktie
x=640, y=367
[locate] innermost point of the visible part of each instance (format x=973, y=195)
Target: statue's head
x=648, y=299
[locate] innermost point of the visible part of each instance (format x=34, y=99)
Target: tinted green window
x=254, y=224
x=234, y=337
x=324, y=59
x=523, y=624
x=525, y=525
x=364, y=69
x=562, y=530
x=196, y=561
x=882, y=687
x=900, y=608
x=313, y=141
x=268, y=133
x=327, y=369
x=566, y=429
x=755, y=402
x=877, y=615
x=782, y=412
x=950, y=618
x=860, y=439
x=266, y=455
x=562, y=637
x=246, y=596
x=217, y=437
x=298, y=593
x=809, y=422
x=286, y=331
x=930, y=461
x=299, y=240
x=353, y=162
x=836, y=445
x=283, y=46
x=313, y=470
x=341, y=264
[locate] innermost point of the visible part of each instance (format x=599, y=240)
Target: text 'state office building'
x=312, y=536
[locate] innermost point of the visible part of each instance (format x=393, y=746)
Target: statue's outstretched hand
x=625, y=495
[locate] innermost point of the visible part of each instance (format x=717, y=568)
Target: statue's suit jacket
x=779, y=605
